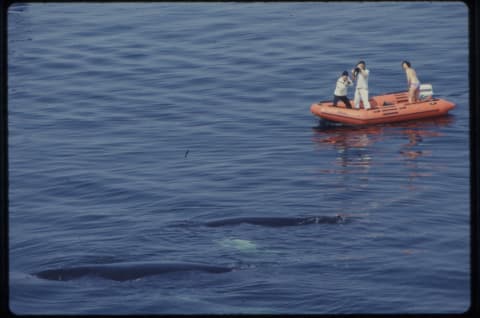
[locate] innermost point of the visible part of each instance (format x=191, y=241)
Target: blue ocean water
x=132, y=125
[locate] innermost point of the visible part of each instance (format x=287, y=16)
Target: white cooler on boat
x=426, y=91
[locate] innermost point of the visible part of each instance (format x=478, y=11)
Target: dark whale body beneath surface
x=279, y=221
x=127, y=271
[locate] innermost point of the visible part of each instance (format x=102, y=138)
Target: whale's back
x=127, y=271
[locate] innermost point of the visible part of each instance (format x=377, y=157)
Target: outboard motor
x=426, y=91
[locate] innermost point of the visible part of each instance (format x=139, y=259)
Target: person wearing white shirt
x=360, y=74
x=340, y=92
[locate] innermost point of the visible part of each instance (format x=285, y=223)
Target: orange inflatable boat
x=388, y=108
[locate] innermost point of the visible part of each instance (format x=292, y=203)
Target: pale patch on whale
x=238, y=244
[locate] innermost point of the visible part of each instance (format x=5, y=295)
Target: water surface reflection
x=390, y=149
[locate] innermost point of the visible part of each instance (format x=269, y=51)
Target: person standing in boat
x=341, y=90
x=412, y=81
x=360, y=74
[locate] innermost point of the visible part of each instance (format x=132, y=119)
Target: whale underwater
x=132, y=271
x=127, y=271
x=279, y=221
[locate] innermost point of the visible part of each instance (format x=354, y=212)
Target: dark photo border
x=474, y=77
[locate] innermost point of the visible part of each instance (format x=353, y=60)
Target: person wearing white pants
x=361, y=73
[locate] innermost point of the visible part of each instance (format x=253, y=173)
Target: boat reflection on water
x=358, y=147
